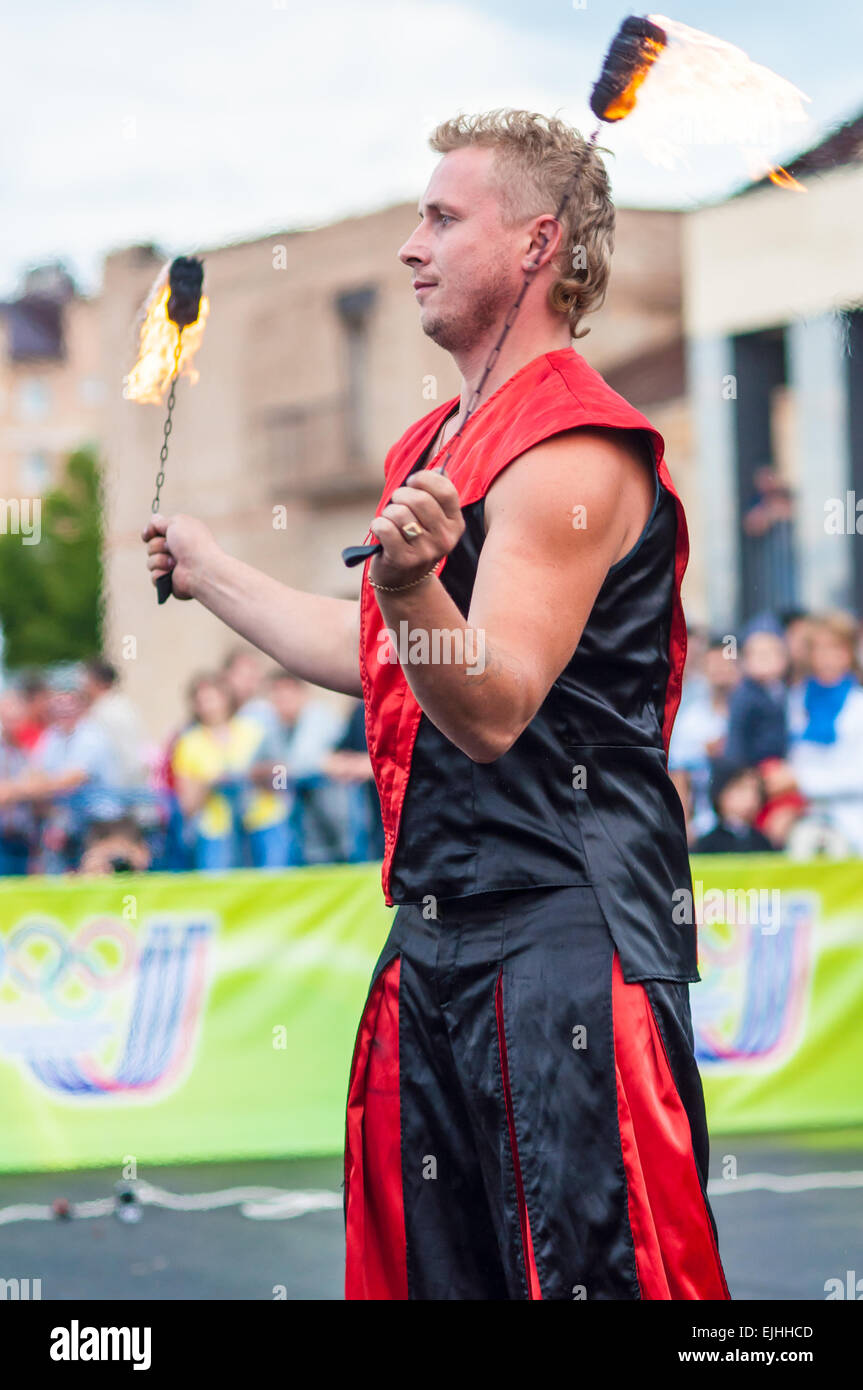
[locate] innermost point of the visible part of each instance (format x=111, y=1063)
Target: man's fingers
x=160, y=563
x=156, y=526
x=439, y=486
x=402, y=515
x=395, y=546
x=420, y=504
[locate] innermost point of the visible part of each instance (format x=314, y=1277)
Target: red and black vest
x=583, y=796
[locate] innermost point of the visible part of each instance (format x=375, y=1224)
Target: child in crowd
x=757, y=716
x=736, y=793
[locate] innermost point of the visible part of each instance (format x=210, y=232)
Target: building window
x=34, y=474
x=765, y=501
x=355, y=312
x=34, y=398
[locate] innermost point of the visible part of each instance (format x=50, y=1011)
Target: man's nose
x=413, y=252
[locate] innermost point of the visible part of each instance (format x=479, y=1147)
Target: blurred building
x=52, y=387
x=773, y=310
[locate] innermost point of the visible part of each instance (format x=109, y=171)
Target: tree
x=51, y=592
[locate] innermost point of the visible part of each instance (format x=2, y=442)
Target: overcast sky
x=192, y=124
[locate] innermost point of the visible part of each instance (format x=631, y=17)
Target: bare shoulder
x=599, y=480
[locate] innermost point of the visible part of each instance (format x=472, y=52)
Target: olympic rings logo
x=72, y=972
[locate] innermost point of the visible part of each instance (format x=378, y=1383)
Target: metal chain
x=513, y=313
x=168, y=426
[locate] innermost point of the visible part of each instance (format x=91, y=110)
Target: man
x=525, y=1117
x=244, y=672
x=293, y=757
x=118, y=719
x=69, y=781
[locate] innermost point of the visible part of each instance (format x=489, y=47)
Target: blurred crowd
x=766, y=754
x=263, y=773
x=767, y=749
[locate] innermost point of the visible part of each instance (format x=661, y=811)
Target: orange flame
x=617, y=110
x=783, y=179
x=151, y=375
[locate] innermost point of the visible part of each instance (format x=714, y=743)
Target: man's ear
x=544, y=252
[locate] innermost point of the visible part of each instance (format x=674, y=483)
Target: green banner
x=778, y=1014
x=171, y=1017
x=168, y=1017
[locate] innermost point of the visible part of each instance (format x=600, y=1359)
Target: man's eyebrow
x=443, y=207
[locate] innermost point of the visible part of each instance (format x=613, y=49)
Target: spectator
x=244, y=672
x=700, y=731
x=736, y=794
x=30, y=728
x=211, y=763
x=307, y=731
x=69, y=781
x=114, y=713
x=350, y=763
x=696, y=685
x=826, y=721
x=798, y=639
x=768, y=524
x=17, y=822
x=114, y=847
x=757, y=713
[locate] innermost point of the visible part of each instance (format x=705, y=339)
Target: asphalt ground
x=789, y=1210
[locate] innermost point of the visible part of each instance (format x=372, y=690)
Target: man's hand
x=430, y=499
x=179, y=546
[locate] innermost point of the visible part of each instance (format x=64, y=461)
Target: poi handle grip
x=164, y=587
x=355, y=554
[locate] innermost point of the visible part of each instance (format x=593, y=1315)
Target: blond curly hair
x=536, y=158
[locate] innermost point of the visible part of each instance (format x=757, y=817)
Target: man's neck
x=524, y=343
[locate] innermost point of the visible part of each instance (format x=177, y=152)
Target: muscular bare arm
x=556, y=519
x=313, y=636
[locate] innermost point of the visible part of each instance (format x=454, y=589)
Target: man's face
x=740, y=801
x=831, y=658
x=765, y=657
x=244, y=677
x=67, y=708
x=288, y=698
x=722, y=673
x=466, y=265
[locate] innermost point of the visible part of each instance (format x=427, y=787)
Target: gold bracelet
x=395, y=589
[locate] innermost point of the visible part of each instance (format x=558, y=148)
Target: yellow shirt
x=202, y=757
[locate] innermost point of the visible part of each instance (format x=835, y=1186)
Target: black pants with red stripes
x=521, y=1123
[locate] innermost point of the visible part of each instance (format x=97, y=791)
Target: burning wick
x=632, y=52
x=173, y=308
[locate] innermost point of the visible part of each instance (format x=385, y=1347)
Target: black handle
x=355, y=554
x=164, y=587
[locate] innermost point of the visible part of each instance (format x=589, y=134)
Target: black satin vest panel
x=583, y=795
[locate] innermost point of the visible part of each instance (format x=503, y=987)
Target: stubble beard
x=458, y=330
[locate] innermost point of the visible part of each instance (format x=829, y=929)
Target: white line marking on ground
x=256, y=1203
x=783, y=1182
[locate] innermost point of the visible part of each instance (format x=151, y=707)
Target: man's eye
x=444, y=217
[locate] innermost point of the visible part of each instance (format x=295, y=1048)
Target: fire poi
x=695, y=68
x=171, y=334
